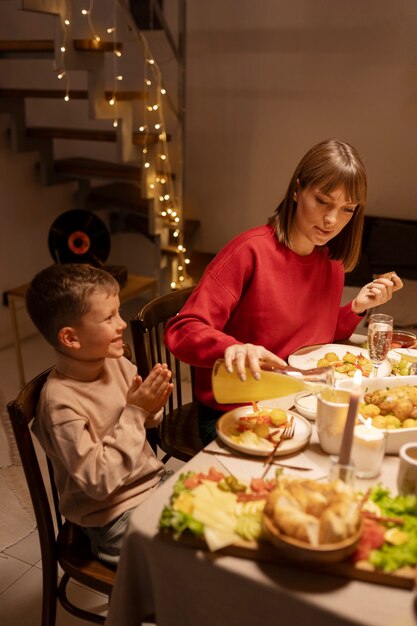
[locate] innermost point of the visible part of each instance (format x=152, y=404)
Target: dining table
x=187, y=585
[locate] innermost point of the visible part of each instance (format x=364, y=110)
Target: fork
x=287, y=433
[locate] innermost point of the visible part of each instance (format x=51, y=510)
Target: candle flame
x=357, y=378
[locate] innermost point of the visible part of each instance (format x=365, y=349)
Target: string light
x=160, y=184
x=87, y=13
x=116, y=56
x=62, y=71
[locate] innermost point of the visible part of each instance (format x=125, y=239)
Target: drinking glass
x=379, y=339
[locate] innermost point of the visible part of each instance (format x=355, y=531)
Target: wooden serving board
x=266, y=552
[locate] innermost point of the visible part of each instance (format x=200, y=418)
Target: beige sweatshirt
x=97, y=443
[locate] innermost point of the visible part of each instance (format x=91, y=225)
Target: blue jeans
x=106, y=541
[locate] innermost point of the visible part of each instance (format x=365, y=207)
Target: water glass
x=380, y=328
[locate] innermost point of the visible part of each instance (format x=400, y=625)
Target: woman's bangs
x=354, y=186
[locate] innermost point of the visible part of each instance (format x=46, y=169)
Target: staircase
x=122, y=187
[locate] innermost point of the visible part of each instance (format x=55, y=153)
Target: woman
x=276, y=288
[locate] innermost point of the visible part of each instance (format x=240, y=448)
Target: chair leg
x=72, y=608
x=49, y=595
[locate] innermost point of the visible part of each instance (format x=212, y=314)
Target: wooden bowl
x=296, y=550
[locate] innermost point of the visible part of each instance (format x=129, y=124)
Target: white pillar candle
x=368, y=450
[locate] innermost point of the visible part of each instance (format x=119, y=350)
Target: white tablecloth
x=188, y=587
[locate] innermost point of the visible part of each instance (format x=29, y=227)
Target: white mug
x=407, y=471
x=332, y=408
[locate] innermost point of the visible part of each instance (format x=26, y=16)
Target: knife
x=234, y=456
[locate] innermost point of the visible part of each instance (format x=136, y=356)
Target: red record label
x=79, y=236
x=79, y=242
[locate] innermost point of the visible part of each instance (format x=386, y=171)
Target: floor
x=20, y=565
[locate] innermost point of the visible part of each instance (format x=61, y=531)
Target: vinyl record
x=79, y=236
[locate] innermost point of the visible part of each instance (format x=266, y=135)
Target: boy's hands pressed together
x=152, y=393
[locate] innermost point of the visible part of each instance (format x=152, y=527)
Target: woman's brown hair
x=328, y=165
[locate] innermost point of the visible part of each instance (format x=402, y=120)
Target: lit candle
x=355, y=394
x=368, y=450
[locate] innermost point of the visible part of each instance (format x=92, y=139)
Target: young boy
x=94, y=408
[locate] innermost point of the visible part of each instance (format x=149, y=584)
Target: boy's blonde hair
x=58, y=296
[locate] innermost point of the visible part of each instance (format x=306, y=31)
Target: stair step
x=46, y=47
x=118, y=195
x=171, y=251
x=75, y=94
x=133, y=222
x=118, y=224
x=92, y=45
x=126, y=198
x=87, y=134
x=83, y=168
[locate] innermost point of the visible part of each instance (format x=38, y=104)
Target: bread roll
x=312, y=512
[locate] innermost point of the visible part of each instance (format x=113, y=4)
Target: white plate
x=395, y=438
x=228, y=420
x=306, y=358
x=408, y=354
x=398, y=353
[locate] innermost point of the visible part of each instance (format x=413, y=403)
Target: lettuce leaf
x=179, y=522
x=391, y=557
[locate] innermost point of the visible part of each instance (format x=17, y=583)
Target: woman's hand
x=377, y=292
x=246, y=354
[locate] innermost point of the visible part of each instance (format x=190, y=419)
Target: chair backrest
x=60, y=541
x=147, y=337
x=21, y=412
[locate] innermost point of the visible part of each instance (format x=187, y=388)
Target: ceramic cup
x=332, y=408
x=407, y=471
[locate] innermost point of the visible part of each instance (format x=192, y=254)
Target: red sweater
x=258, y=291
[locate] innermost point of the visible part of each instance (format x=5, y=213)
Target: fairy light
x=87, y=13
x=116, y=56
x=160, y=186
x=62, y=71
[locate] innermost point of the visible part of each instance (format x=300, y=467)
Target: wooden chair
x=178, y=434
x=61, y=541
